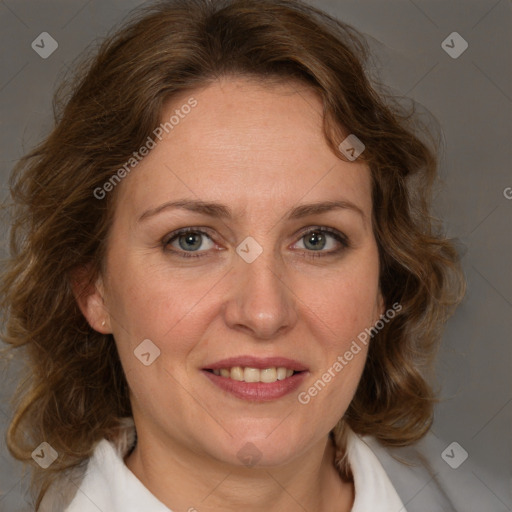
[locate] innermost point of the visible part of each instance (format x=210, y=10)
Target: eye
x=188, y=240
x=325, y=241
x=195, y=242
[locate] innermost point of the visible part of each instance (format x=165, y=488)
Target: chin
x=259, y=449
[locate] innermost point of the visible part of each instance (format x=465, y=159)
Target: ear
x=89, y=296
x=381, y=305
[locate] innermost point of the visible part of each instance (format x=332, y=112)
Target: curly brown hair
x=74, y=391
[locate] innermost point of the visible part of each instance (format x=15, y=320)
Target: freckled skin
x=260, y=151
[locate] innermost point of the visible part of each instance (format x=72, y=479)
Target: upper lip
x=257, y=362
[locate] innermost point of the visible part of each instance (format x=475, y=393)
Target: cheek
x=170, y=312
x=344, y=303
x=153, y=302
x=338, y=316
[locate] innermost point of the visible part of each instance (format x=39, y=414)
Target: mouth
x=256, y=379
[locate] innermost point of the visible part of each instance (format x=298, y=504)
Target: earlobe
x=381, y=306
x=90, y=299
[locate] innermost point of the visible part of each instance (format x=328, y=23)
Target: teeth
x=252, y=375
x=248, y=374
x=237, y=373
x=281, y=373
x=268, y=375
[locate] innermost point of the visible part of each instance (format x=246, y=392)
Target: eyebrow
x=222, y=211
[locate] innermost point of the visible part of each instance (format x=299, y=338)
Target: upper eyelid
x=183, y=231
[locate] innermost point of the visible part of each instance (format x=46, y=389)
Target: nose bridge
x=260, y=301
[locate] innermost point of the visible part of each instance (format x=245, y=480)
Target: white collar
x=373, y=488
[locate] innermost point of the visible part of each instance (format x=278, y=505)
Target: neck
x=190, y=482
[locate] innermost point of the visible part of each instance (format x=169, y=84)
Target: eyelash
x=339, y=237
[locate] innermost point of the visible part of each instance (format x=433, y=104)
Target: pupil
x=315, y=240
x=191, y=241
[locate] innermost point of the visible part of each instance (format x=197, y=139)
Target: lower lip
x=258, y=391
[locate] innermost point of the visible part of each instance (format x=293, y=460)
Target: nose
x=260, y=302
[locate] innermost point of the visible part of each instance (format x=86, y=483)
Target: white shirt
x=109, y=486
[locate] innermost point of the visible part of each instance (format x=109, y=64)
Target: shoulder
x=435, y=476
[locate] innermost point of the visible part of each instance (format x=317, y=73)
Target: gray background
x=471, y=97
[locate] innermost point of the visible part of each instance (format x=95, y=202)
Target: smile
x=256, y=379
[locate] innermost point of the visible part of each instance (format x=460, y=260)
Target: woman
x=224, y=273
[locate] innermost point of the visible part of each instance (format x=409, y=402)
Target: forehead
x=245, y=143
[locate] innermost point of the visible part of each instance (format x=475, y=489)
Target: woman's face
x=270, y=275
